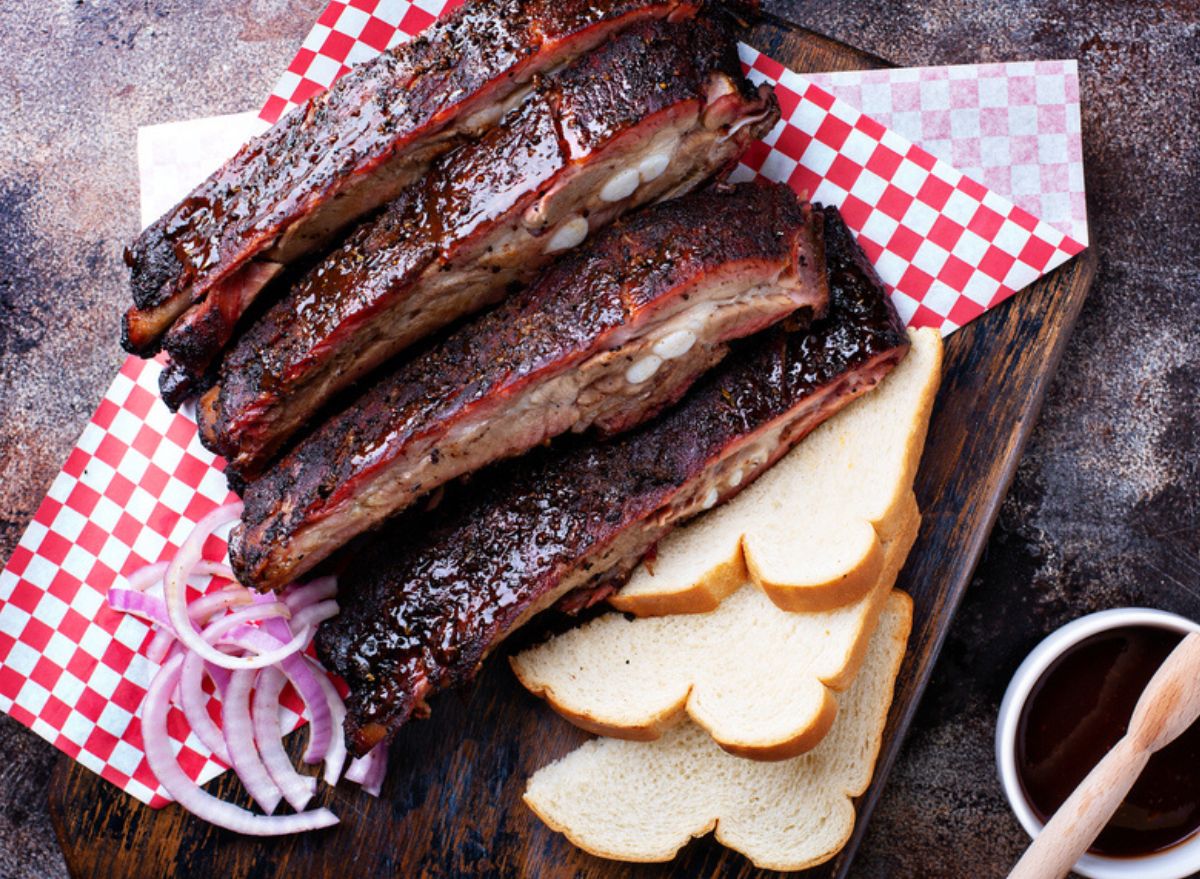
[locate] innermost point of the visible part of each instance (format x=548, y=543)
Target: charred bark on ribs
x=607, y=336
x=646, y=116
x=435, y=592
x=341, y=155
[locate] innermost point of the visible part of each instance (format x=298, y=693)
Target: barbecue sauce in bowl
x=1079, y=709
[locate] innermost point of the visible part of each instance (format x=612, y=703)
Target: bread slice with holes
x=643, y=801
x=811, y=531
x=758, y=679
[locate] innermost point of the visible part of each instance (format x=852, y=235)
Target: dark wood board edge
x=104, y=832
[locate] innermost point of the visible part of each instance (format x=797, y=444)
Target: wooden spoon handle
x=1171, y=701
x=1080, y=819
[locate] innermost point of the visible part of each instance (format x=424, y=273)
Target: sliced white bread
x=810, y=531
x=757, y=678
x=643, y=801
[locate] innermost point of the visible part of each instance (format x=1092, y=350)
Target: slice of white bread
x=810, y=531
x=757, y=678
x=643, y=801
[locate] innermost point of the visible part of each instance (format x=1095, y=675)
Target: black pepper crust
x=434, y=592
x=626, y=273
x=393, y=104
x=314, y=334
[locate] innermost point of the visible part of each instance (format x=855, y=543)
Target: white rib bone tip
x=569, y=234
x=675, y=344
x=652, y=167
x=735, y=478
x=643, y=369
x=710, y=499
x=620, y=185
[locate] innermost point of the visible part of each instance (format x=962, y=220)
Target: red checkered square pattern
x=947, y=248
x=347, y=33
x=1014, y=126
x=138, y=479
x=72, y=670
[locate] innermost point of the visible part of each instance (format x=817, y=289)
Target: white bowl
x=1177, y=862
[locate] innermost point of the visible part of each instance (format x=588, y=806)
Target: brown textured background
x=1106, y=507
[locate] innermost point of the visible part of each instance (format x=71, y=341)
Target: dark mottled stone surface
x=1105, y=510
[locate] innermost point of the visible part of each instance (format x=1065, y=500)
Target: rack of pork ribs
x=486, y=312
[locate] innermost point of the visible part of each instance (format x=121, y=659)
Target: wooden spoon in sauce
x=1168, y=706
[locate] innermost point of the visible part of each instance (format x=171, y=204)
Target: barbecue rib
x=351, y=149
x=436, y=591
x=648, y=115
x=655, y=296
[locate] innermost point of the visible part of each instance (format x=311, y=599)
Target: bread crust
x=804, y=737
x=748, y=554
x=734, y=816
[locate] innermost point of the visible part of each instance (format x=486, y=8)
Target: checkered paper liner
x=1014, y=126
x=71, y=669
x=138, y=480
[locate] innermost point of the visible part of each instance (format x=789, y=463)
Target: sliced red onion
x=239, y=739
x=206, y=606
x=370, y=769
x=219, y=630
x=373, y=783
x=298, y=671
x=335, y=755
x=303, y=678
x=219, y=676
x=312, y=616
x=149, y=575
x=359, y=767
x=297, y=789
x=174, y=780
x=175, y=592
x=229, y=630
x=162, y=642
x=154, y=608
x=146, y=576
x=250, y=737
x=214, y=569
x=194, y=702
x=299, y=597
x=138, y=603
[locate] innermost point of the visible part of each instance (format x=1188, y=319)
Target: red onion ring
x=183, y=790
x=145, y=577
x=307, y=684
x=297, y=789
x=239, y=739
x=312, y=616
x=151, y=575
x=335, y=754
x=175, y=592
x=215, y=635
x=373, y=783
x=162, y=642
x=154, y=608
x=300, y=673
x=193, y=700
x=369, y=770
x=231, y=629
x=299, y=597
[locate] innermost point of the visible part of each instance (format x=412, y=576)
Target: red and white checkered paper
x=138, y=479
x=1014, y=127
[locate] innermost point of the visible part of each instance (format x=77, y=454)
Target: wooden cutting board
x=452, y=803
